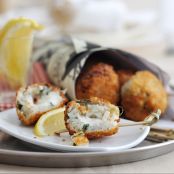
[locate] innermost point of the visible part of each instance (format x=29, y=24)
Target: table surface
x=159, y=164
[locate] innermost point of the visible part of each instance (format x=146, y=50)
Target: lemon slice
x=50, y=123
x=19, y=27
x=15, y=48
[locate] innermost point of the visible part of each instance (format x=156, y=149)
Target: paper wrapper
x=65, y=58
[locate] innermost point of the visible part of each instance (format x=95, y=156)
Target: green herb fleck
x=41, y=91
x=84, y=102
x=19, y=105
x=51, y=104
x=93, y=116
x=85, y=127
x=47, y=91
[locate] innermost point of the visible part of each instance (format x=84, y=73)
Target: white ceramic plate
x=126, y=138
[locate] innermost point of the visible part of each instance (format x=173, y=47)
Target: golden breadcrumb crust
x=33, y=118
x=79, y=140
x=92, y=134
x=143, y=94
x=99, y=80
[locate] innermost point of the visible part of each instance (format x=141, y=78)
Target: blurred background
x=143, y=27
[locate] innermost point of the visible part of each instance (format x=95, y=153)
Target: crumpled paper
x=65, y=58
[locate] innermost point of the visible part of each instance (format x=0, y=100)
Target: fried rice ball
x=124, y=76
x=143, y=94
x=94, y=117
x=99, y=80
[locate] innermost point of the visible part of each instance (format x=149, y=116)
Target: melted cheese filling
x=36, y=99
x=97, y=117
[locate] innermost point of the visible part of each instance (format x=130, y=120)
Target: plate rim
x=71, y=154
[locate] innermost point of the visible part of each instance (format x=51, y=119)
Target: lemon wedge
x=16, y=39
x=50, y=123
